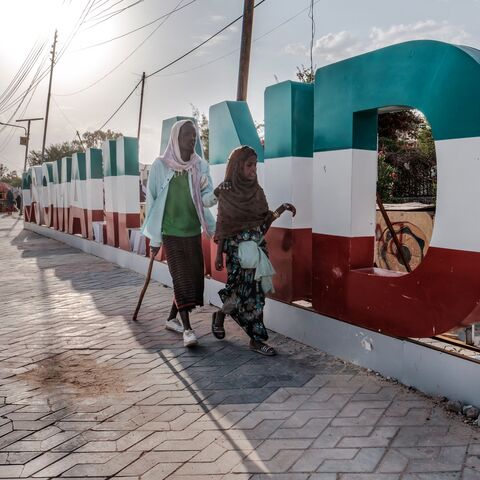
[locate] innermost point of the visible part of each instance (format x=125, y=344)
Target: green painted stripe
x=130, y=151
x=289, y=120
x=110, y=158
x=57, y=171
x=66, y=169
x=79, y=166
x=167, y=128
x=231, y=125
x=94, y=156
x=26, y=179
x=48, y=178
x=439, y=79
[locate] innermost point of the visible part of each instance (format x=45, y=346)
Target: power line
x=122, y=62
x=35, y=82
x=106, y=10
x=138, y=28
x=205, y=64
x=22, y=73
x=63, y=114
x=177, y=60
x=202, y=43
x=111, y=15
x=102, y=3
x=122, y=104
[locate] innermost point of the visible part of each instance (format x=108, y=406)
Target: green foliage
x=203, y=128
x=10, y=177
x=406, y=159
x=57, y=151
x=52, y=152
x=386, y=178
x=306, y=74
x=425, y=141
x=96, y=138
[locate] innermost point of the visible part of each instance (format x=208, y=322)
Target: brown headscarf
x=244, y=206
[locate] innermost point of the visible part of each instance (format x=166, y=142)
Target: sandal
x=217, y=330
x=263, y=349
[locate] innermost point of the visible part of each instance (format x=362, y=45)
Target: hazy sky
x=82, y=100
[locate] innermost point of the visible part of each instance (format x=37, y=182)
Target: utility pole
x=245, y=49
x=49, y=93
x=80, y=140
x=141, y=108
x=29, y=120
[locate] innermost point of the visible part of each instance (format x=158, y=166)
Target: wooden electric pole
x=49, y=94
x=141, y=108
x=245, y=50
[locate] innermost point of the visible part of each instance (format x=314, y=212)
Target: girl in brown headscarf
x=243, y=215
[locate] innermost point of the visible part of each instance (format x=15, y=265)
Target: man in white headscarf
x=179, y=193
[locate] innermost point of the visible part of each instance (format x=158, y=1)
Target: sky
x=90, y=81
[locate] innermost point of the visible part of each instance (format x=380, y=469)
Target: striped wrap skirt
x=185, y=263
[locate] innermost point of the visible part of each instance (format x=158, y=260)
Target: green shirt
x=180, y=218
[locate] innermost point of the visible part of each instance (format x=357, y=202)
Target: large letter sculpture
x=327, y=251
x=442, y=81
x=94, y=187
x=77, y=222
x=48, y=194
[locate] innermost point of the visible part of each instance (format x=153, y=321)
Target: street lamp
x=26, y=136
x=29, y=120
x=23, y=140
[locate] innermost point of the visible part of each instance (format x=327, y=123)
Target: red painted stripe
x=290, y=252
x=48, y=215
x=93, y=216
x=442, y=293
x=77, y=222
x=126, y=221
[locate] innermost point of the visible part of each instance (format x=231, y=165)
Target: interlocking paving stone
x=85, y=393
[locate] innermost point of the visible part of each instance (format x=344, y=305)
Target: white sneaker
x=189, y=338
x=174, y=325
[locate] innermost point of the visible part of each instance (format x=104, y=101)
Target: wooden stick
x=144, y=289
x=400, y=254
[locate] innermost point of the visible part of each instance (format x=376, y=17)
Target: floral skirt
x=244, y=289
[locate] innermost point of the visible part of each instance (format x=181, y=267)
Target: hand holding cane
x=145, y=286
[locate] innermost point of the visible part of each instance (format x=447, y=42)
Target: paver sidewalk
x=87, y=393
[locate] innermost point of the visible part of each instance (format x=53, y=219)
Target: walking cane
x=144, y=289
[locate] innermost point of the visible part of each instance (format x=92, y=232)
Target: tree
x=398, y=129
x=306, y=74
x=406, y=159
x=96, y=138
x=203, y=129
x=10, y=177
x=53, y=152
x=56, y=151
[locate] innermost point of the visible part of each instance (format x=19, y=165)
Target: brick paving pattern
x=87, y=393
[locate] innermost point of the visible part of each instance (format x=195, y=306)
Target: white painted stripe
x=128, y=193
x=289, y=179
x=26, y=198
x=78, y=194
x=94, y=192
x=344, y=188
x=110, y=186
x=457, y=218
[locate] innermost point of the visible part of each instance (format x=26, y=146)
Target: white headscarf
x=172, y=158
